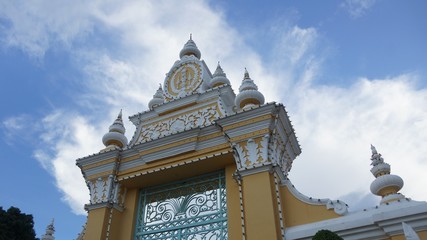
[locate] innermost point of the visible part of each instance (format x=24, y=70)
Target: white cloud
x=35, y=26
x=67, y=137
x=15, y=128
x=357, y=8
x=335, y=125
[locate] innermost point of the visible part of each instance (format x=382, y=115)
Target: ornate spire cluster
x=158, y=98
x=190, y=48
x=116, y=137
x=50, y=230
x=385, y=185
x=249, y=95
x=219, y=77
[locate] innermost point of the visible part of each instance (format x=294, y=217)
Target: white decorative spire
x=409, y=232
x=158, y=98
x=249, y=95
x=50, y=230
x=116, y=137
x=190, y=48
x=385, y=185
x=219, y=78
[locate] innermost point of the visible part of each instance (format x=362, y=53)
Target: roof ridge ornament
x=219, y=78
x=190, y=48
x=158, y=98
x=385, y=184
x=246, y=75
x=115, y=136
x=248, y=96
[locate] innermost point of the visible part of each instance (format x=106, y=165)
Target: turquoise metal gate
x=193, y=209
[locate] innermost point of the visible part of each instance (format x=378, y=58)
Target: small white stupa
x=385, y=185
x=116, y=135
x=50, y=230
x=190, y=48
x=158, y=98
x=219, y=78
x=248, y=96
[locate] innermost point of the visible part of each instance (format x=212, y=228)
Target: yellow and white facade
x=205, y=163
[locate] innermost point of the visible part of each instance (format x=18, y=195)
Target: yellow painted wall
x=123, y=223
x=233, y=204
x=260, y=220
x=96, y=227
x=297, y=212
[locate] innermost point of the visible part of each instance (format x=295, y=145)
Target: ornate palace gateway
x=205, y=163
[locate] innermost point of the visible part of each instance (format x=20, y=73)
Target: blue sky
x=350, y=73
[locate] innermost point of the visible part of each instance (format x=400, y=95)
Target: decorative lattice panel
x=193, y=209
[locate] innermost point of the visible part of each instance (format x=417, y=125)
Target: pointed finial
x=385, y=184
x=219, y=77
x=248, y=96
x=115, y=135
x=374, y=150
x=246, y=74
x=50, y=231
x=190, y=48
x=158, y=98
x=120, y=114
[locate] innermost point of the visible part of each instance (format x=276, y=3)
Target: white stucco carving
x=339, y=207
x=268, y=149
x=199, y=118
x=103, y=190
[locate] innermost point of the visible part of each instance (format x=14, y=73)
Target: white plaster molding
x=409, y=232
x=340, y=207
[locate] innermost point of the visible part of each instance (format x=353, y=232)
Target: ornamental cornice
x=97, y=157
x=169, y=166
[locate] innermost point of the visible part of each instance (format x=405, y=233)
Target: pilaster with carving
x=104, y=191
x=274, y=150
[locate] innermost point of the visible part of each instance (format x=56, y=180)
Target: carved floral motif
x=268, y=149
x=104, y=190
x=199, y=118
x=252, y=152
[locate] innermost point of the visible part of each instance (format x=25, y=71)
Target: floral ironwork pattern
x=191, y=209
